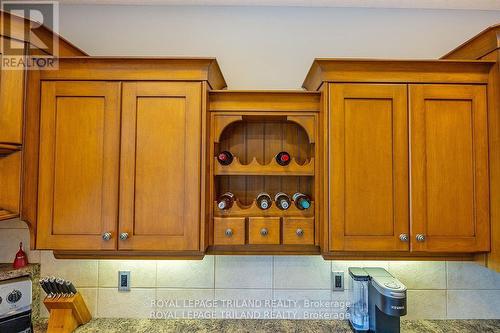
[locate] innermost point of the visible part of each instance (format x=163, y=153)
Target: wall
x=261, y=48
x=437, y=290
x=269, y=47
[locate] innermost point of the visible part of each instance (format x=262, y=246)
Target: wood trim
x=132, y=255
x=137, y=69
x=396, y=71
x=476, y=47
x=397, y=256
x=260, y=249
x=262, y=100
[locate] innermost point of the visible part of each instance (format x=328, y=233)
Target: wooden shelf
x=6, y=214
x=7, y=149
x=271, y=169
x=239, y=210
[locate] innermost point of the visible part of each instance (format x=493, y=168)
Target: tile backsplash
x=292, y=287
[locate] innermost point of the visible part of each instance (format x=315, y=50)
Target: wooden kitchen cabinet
x=79, y=165
x=120, y=157
x=11, y=99
x=368, y=153
x=160, y=166
x=406, y=156
x=449, y=168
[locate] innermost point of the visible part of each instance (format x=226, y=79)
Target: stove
x=15, y=305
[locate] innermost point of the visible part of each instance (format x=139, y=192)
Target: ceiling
x=421, y=4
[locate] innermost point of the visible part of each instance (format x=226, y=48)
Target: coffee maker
x=378, y=300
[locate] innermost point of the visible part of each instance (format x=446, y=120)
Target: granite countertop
x=7, y=272
x=242, y=326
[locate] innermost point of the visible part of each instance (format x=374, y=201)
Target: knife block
x=66, y=313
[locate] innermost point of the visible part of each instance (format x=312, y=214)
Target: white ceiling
x=421, y=4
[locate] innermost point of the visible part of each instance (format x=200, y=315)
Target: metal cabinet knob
x=420, y=237
x=299, y=232
x=404, y=237
x=124, y=236
x=229, y=232
x=264, y=232
x=106, y=236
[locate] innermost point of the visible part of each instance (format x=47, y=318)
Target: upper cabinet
x=368, y=158
x=449, y=168
x=160, y=186
x=78, y=175
x=406, y=158
x=120, y=159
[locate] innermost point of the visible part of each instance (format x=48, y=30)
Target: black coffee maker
x=386, y=300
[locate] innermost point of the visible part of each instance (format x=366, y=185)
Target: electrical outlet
x=338, y=281
x=124, y=280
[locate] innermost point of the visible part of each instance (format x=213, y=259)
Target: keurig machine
x=386, y=300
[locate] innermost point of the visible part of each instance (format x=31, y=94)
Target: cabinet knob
x=404, y=237
x=420, y=237
x=124, y=236
x=299, y=232
x=106, y=236
x=229, y=232
x=264, y=232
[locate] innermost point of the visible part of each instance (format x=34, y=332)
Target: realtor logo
x=27, y=41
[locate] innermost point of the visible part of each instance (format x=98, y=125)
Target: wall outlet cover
x=338, y=281
x=124, y=280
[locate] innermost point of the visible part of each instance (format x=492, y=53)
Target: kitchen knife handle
x=71, y=287
x=45, y=288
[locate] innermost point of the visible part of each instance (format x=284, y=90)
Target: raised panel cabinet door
x=79, y=165
x=11, y=96
x=160, y=185
x=368, y=167
x=449, y=168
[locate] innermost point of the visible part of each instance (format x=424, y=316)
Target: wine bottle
x=225, y=157
x=283, y=158
x=301, y=200
x=264, y=201
x=225, y=201
x=282, y=200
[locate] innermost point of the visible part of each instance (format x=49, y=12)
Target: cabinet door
x=368, y=151
x=79, y=165
x=449, y=168
x=11, y=98
x=161, y=166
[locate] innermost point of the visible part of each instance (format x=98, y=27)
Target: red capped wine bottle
x=282, y=200
x=225, y=157
x=264, y=201
x=283, y=158
x=301, y=200
x=225, y=201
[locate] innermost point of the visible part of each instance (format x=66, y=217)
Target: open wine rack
x=254, y=126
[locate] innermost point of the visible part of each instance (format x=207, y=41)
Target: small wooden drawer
x=263, y=230
x=298, y=230
x=229, y=230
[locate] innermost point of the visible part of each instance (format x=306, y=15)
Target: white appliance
x=15, y=305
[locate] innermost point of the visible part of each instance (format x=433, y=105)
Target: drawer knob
x=299, y=232
x=404, y=237
x=264, y=232
x=229, y=232
x=124, y=236
x=106, y=236
x=420, y=237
